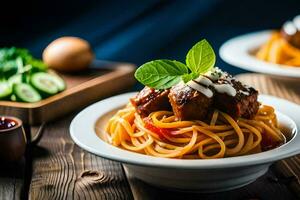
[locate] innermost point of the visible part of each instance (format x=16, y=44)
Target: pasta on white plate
x=161, y=135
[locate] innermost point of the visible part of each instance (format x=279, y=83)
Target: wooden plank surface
x=11, y=180
x=61, y=170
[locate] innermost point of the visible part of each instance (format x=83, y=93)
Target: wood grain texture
x=10, y=188
x=61, y=170
x=11, y=180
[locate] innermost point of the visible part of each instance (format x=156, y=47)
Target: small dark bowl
x=12, y=141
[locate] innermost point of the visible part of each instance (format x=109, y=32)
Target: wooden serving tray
x=102, y=79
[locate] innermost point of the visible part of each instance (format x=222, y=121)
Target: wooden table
x=56, y=168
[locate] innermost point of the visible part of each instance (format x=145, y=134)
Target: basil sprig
x=163, y=74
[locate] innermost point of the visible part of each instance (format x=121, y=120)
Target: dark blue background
x=138, y=31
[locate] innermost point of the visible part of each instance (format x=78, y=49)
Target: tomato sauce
x=161, y=132
x=268, y=143
x=6, y=123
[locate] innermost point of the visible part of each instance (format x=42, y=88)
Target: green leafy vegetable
x=162, y=74
x=187, y=77
x=19, y=72
x=201, y=57
x=16, y=60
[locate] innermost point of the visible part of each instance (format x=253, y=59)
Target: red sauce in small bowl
x=7, y=123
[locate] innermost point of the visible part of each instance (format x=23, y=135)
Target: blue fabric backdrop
x=138, y=31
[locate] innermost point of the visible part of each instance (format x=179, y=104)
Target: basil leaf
x=187, y=77
x=161, y=74
x=201, y=57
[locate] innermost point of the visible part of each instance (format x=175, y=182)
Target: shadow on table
x=39, y=152
x=266, y=187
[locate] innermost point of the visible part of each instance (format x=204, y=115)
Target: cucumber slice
x=15, y=79
x=59, y=82
x=26, y=93
x=44, y=83
x=5, y=90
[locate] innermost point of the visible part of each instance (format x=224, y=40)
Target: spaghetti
x=278, y=50
x=160, y=134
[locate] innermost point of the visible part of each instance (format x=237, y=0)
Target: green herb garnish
x=201, y=57
x=163, y=74
x=16, y=60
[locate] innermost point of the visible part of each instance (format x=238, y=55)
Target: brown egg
x=68, y=54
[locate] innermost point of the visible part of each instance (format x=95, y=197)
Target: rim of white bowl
x=235, y=51
x=82, y=130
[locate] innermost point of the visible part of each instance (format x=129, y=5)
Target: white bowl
x=237, y=52
x=195, y=175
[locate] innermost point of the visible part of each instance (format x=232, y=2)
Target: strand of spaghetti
x=278, y=132
x=138, y=134
x=179, y=124
x=115, y=136
x=169, y=119
x=183, y=130
x=129, y=128
x=113, y=127
x=175, y=153
x=253, y=130
x=166, y=145
x=265, y=109
x=142, y=140
x=125, y=124
x=220, y=154
x=137, y=146
x=214, y=118
x=248, y=145
x=218, y=127
x=177, y=140
x=123, y=135
x=140, y=125
x=129, y=117
x=272, y=133
x=201, y=123
x=239, y=146
x=208, y=127
x=160, y=149
x=211, y=140
x=213, y=136
x=264, y=118
x=216, y=146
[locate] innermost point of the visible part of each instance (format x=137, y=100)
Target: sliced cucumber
x=15, y=79
x=26, y=93
x=44, y=83
x=5, y=90
x=59, y=82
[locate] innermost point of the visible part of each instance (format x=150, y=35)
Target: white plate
x=236, y=52
x=201, y=175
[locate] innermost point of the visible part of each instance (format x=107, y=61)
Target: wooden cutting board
x=102, y=79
